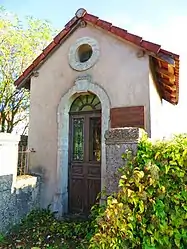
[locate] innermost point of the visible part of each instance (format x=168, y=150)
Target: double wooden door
x=84, y=161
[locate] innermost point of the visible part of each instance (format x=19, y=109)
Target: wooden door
x=85, y=158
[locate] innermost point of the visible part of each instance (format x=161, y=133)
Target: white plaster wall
x=156, y=111
x=9, y=155
x=123, y=76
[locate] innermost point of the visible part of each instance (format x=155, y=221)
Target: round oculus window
x=84, y=53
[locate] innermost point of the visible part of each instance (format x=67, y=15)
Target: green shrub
x=150, y=209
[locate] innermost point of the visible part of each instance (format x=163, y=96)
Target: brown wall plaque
x=132, y=116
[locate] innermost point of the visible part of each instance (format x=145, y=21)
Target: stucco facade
x=123, y=76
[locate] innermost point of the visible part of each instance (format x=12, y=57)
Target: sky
x=159, y=21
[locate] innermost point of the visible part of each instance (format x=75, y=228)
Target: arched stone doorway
x=84, y=153
x=83, y=84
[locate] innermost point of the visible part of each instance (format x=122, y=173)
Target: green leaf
x=141, y=206
x=19, y=46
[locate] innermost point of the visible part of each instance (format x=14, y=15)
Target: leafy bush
x=148, y=212
x=150, y=209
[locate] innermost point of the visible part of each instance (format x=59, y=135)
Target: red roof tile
x=49, y=48
x=103, y=24
x=150, y=46
x=154, y=50
x=91, y=18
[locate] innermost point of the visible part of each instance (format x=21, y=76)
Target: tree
x=20, y=43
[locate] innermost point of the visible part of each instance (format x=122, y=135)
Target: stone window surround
x=82, y=84
x=73, y=56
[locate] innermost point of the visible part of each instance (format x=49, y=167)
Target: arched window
x=87, y=102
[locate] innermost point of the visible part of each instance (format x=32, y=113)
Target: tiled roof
x=164, y=64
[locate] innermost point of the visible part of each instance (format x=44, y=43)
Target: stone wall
x=118, y=140
x=18, y=195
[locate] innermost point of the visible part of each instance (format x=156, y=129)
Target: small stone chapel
x=91, y=89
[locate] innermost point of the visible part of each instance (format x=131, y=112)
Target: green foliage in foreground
x=150, y=209
x=148, y=212
x=40, y=229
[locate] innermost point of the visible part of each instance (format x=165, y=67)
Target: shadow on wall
x=17, y=202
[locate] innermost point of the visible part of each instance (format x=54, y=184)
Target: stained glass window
x=78, y=139
x=95, y=139
x=86, y=102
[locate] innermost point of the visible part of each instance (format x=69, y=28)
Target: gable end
x=164, y=64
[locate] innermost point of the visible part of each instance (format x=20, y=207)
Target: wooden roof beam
x=169, y=99
x=166, y=82
x=168, y=93
x=171, y=69
x=166, y=73
x=169, y=88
